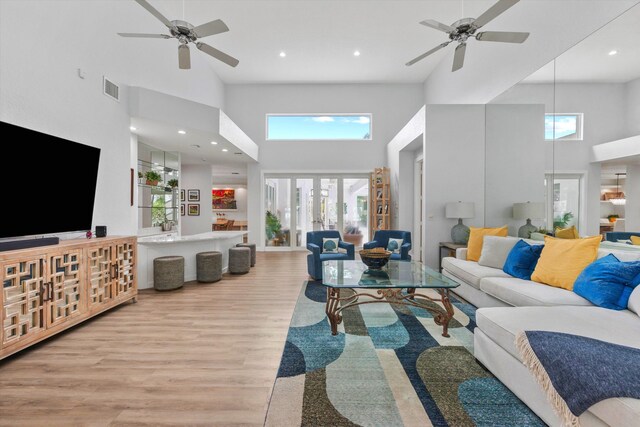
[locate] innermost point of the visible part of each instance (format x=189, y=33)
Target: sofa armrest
x=461, y=253
x=404, y=250
x=370, y=245
x=315, y=249
x=350, y=247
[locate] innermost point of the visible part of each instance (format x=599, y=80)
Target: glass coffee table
x=389, y=284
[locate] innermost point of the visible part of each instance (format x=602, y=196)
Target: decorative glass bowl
x=375, y=258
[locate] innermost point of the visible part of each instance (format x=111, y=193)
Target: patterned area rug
x=388, y=366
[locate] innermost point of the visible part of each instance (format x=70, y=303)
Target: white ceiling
x=589, y=60
x=166, y=137
x=320, y=36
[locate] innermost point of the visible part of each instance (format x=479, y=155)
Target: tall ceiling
x=319, y=37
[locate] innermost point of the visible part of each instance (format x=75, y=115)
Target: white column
x=632, y=192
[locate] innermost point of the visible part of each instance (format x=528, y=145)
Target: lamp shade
x=460, y=210
x=528, y=210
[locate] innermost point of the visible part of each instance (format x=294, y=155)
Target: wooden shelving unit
x=380, y=196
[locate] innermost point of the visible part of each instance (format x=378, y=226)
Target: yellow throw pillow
x=562, y=260
x=635, y=240
x=567, y=233
x=476, y=237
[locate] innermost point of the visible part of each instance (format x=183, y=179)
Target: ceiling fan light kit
x=464, y=29
x=186, y=33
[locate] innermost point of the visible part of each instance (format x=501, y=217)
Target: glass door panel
x=277, y=206
x=304, y=210
x=328, y=204
x=355, y=196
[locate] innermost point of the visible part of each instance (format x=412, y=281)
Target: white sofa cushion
x=634, y=301
x=502, y=323
x=495, y=250
x=525, y=293
x=470, y=271
x=622, y=255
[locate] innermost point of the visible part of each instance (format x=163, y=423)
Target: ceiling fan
x=186, y=33
x=463, y=29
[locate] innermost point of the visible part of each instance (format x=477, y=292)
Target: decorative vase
x=460, y=233
x=525, y=231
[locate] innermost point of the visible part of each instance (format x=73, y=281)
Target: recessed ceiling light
x=133, y=128
x=181, y=132
x=283, y=54
x=613, y=52
x=356, y=53
x=195, y=146
x=214, y=143
x=225, y=150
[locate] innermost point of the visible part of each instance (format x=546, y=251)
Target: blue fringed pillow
x=608, y=282
x=522, y=260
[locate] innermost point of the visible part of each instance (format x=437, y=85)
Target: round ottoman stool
x=251, y=246
x=209, y=266
x=168, y=273
x=239, y=260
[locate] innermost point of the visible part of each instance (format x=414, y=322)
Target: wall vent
x=111, y=89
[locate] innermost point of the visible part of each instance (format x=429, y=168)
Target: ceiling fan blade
x=502, y=36
x=493, y=12
x=438, y=25
x=424, y=55
x=152, y=10
x=219, y=55
x=145, y=36
x=184, y=57
x=458, y=57
x=210, y=28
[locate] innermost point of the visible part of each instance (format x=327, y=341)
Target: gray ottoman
x=251, y=246
x=168, y=273
x=239, y=260
x=209, y=266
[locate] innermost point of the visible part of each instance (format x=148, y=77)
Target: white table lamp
x=528, y=211
x=460, y=210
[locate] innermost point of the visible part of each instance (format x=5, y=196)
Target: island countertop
x=169, y=239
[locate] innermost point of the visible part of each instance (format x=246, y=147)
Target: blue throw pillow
x=608, y=282
x=522, y=260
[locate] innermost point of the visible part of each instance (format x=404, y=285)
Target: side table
x=451, y=248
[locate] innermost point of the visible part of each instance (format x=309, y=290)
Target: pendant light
x=619, y=200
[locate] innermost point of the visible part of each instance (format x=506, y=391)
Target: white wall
x=42, y=43
x=633, y=107
x=247, y=105
x=197, y=177
x=515, y=162
x=453, y=170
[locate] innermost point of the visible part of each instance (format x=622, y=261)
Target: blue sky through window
x=319, y=127
x=566, y=126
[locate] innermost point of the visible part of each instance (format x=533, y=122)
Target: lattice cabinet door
x=23, y=289
x=66, y=296
x=125, y=269
x=99, y=261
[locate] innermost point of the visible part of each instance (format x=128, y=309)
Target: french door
x=296, y=204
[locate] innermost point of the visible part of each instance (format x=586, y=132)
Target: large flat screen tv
x=50, y=183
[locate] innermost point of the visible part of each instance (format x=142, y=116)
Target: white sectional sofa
x=508, y=305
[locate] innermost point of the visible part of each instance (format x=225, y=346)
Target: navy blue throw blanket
x=577, y=372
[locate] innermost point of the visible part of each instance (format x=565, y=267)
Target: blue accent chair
x=381, y=240
x=614, y=236
x=315, y=258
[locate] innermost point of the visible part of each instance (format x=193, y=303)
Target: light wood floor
x=204, y=355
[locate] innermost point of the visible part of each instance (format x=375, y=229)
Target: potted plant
x=353, y=235
x=613, y=218
x=273, y=228
x=140, y=177
x=173, y=183
x=152, y=177
x=562, y=221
